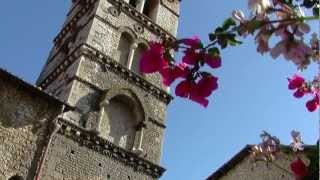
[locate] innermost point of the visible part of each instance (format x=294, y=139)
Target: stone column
x=102, y=124
x=138, y=145
x=140, y=5
x=131, y=55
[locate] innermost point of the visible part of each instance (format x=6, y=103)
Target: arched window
x=124, y=48
x=151, y=9
x=135, y=67
x=122, y=122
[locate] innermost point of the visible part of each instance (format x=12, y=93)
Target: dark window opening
x=72, y=151
x=151, y=9
x=122, y=122
x=133, y=3
x=16, y=177
x=124, y=48
x=135, y=67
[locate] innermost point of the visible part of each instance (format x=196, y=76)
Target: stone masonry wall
x=246, y=170
x=23, y=119
x=69, y=161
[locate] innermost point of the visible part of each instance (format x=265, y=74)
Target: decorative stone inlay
x=109, y=64
x=114, y=11
x=104, y=147
x=138, y=28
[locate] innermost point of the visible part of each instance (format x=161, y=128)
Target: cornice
x=92, y=141
x=110, y=64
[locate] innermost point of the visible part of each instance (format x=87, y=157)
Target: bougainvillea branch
x=283, y=19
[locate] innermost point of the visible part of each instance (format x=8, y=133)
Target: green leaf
x=223, y=43
x=228, y=23
x=219, y=30
x=214, y=51
x=316, y=11
x=212, y=37
x=234, y=42
x=289, y=2
x=253, y=25
x=204, y=74
x=169, y=57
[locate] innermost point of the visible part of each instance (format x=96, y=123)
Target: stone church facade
x=92, y=115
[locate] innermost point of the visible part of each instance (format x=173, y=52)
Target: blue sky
x=252, y=97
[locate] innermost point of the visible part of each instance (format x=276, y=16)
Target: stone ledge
x=98, y=144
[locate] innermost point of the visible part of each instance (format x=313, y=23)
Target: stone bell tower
x=116, y=127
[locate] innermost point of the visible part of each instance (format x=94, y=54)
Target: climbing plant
x=285, y=20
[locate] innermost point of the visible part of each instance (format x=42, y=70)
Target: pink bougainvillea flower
x=315, y=46
x=295, y=51
x=313, y=104
x=197, y=92
x=263, y=46
x=170, y=74
x=238, y=15
x=194, y=42
x=183, y=88
x=212, y=61
x=153, y=60
x=299, y=168
x=206, y=85
x=191, y=56
x=259, y=6
x=299, y=93
x=296, y=82
x=278, y=49
x=298, y=53
x=262, y=39
x=297, y=144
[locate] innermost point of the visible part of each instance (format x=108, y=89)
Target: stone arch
x=142, y=41
x=121, y=118
x=129, y=94
x=126, y=29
